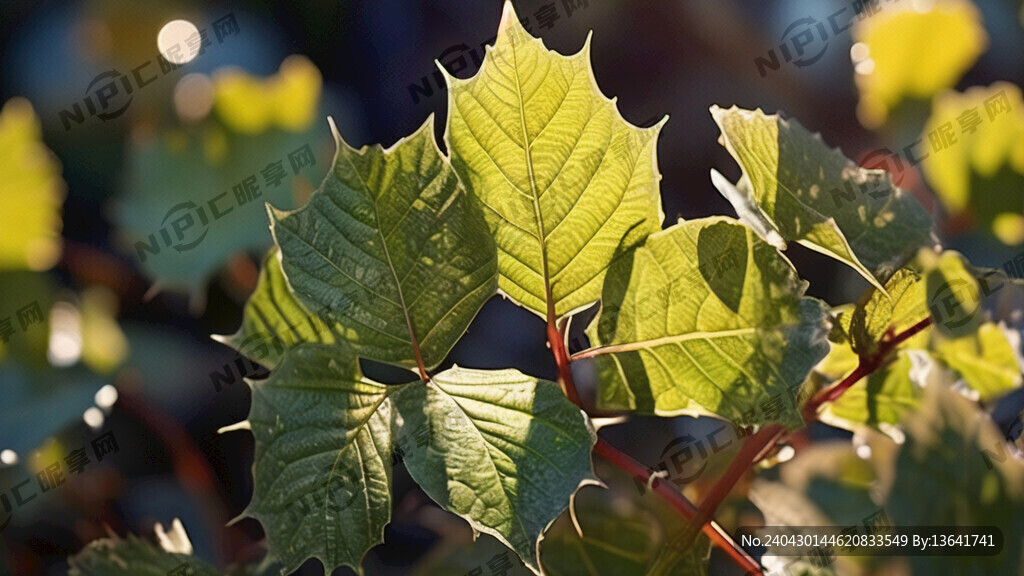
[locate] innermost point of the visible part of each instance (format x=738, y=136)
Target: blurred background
x=119, y=118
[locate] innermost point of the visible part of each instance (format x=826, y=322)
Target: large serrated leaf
x=506, y=450
x=566, y=182
x=706, y=318
x=501, y=449
x=814, y=195
x=393, y=249
x=274, y=320
x=322, y=471
x=944, y=479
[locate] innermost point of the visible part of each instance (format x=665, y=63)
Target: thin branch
x=557, y=342
x=668, y=492
x=674, y=498
x=761, y=444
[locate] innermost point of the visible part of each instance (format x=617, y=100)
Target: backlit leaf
x=501, y=449
x=322, y=471
x=506, y=451
x=392, y=249
x=31, y=192
x=913, y=50
x=706, y=318
x=976, y=158
x=274, y=320
x=565, y=181
x=814, y=195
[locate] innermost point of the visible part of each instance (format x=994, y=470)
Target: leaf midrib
x=533, y=190
x=391, y=267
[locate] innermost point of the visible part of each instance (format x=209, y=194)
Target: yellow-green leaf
x=976, y=159
x=565, y=181
x=392, y=249
x=31, y=192
x=913, y=50
x=274, y=320
x=814, y=195
x=706, y=318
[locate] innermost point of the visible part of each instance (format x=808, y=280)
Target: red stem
x=665, y=490
x=674, y=498
x=759, y=445
x=562, y=361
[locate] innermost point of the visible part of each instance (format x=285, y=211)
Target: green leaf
x=31, y=192
x=976, y=165
x=620, y=531
x=566, y=182
x=134, y=556
x=827, y=484
x=274, y=320
x=913, y=50
x=706, y=318
x=607, y=533
x=881, y=400
x=393, y=249
x=876, y=315
x=944, y=478
x=322, y=471
x=814, y=195
x=965, y=341
x=985, y=360
x=954, y=296
x=506, y=451
x=197, y=178
x=503, y=450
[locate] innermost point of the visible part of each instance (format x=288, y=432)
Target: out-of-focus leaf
x=104, y=345
x=706, y=318
x=814, y=195
x=473, y=556
x=827, y=484
x=31, y=192
x=288, y=100
x=566, y=182
x=39, y=402
x=985, y=360
x=194, y=195
x=879, y=401
x=619, y=537
x=943, y=478
x=393, y=249
x=23, y=294
x=976, y=159
x=913, y=50
x=954, y=296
